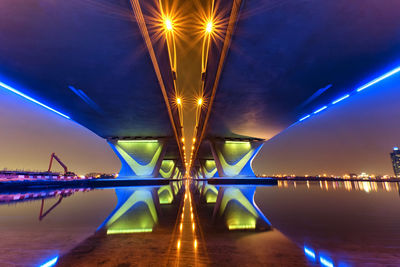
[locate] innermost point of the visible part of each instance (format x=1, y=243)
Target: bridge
x=182, y=87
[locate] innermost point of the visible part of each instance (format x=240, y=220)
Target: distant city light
x=50, y=263
x=15, y=91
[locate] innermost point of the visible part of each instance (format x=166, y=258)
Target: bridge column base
x=139, y=158
x=233, y=158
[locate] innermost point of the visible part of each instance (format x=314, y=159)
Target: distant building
x=395, y=155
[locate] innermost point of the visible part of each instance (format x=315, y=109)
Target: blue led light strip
x=386, y=75
x=15, y=91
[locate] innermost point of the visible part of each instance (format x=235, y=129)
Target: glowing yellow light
x=200, y=101
x=183, y=139
x=194, y=140
x=195, y=243
x=192, y=147
x=168, y=24
x=209, y=27
x=179, y=100
x=181, y=227
x=179, y=244
x=193, y=226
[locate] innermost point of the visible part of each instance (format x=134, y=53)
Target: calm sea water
x=292, y=224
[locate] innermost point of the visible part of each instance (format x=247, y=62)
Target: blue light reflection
x=50, y=263
x=309, y=253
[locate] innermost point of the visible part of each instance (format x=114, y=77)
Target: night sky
x=353, y=136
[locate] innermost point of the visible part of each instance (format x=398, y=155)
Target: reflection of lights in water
x=309, y=253
x=128, y=231
x=50, y=263
x=312, y=256
x=325, y=262
x=242, y=226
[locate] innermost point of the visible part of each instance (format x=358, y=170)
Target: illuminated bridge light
x=305, y=117
x=325, y=262
x=340, y=99
x=396, y=70
x=168, y=24
x=209, y=27
x=15, y=91
x=387, y=75
x=309, y=253
x=50, y=263
x=321, y=109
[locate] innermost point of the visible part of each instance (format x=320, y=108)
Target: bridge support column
x=233, y=158
x=208, y=168
x=167, y=168
x=139, y=158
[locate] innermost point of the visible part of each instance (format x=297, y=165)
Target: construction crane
x=66, y=172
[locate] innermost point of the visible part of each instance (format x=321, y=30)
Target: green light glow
x=136, y=141
x=237, y=142
x=210, y=193
x=242, y=226
x=167, y=167
x=124, y=219
x=209, y=168
x=165, y=195
x=129, y=231
x=236, y=194
x=149, y=152
x=230, y=152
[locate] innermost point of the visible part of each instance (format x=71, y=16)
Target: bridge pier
x=208, y=168
x=140, y=158
x=167, y=169
x=233, y=157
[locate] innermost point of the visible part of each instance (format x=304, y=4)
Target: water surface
x=292, y=224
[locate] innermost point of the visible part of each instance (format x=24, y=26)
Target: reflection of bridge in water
x=179, y=221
